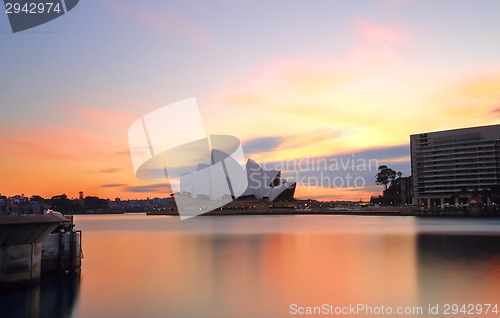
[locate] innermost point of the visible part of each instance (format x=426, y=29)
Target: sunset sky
x=290, y=79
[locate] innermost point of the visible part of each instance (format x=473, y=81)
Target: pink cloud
x=171, y=24
x=372, y=32
x=496, y=110
x=29, y=149
x=380, y=43
x=123, y=101
x=161, y=21
x=100, y=117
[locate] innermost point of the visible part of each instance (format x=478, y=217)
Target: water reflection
x=458, y=269
x=143, y=266
x=55, y=296
x=255, y=273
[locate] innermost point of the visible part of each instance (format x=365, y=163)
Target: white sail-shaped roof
x=202, y=181
x=276, y=191
x=187, y=182
x=218, y=180
x=226, y=177
x=235, y=173
x=260, y=182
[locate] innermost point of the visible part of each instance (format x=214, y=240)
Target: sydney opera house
x=267, y=185
x=205, y=172
x=258, y=191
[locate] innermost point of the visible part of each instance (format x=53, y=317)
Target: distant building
x=398, y=193
x=447, y=164
x=405, y=191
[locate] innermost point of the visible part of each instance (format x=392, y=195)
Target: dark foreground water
x=274, y=266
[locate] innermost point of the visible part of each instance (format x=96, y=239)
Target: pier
x=27, y=247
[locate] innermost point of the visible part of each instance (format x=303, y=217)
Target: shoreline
x=402, y=213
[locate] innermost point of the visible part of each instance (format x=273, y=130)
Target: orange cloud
x=471, y=100
x=49, y=159
x=54, y=142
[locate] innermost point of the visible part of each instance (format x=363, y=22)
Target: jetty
x=36, y=243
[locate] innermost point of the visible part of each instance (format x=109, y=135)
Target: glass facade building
x=446, y=163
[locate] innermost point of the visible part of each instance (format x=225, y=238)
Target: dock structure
x=22, y=244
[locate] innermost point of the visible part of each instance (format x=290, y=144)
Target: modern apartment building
x=444, y=163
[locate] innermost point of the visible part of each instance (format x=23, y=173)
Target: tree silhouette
x=37, y=198
x=385, y=176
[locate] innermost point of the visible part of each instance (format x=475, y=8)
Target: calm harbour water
x=257, y=266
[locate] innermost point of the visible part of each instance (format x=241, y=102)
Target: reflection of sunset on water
x=244, y=274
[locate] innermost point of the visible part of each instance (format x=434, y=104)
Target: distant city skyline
x=292, y=80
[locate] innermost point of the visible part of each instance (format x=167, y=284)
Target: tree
x=94, y=203
x=61, y=203
x=36, y=198
x=385, y=176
